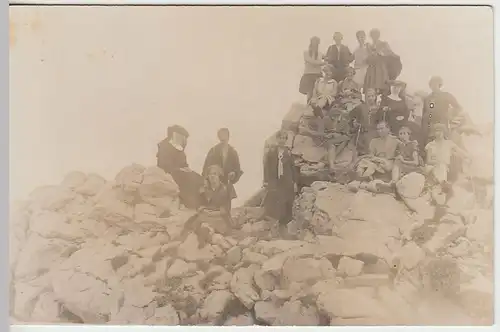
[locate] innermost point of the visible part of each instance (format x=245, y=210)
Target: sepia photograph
x=251, y=165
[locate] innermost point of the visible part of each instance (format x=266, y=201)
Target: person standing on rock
x=438, y=108
x=377, y=73
x=360, y=56
x=171, y=158
x=312, y=70
x=339, y=56
x=280, y=180
x=226, y=157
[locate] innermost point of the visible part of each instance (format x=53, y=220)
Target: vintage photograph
x=251, y=165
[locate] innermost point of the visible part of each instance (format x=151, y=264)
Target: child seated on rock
x=407, y=158
x=438, y=158
x=348, y=87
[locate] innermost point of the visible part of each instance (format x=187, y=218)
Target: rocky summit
x=113, y=252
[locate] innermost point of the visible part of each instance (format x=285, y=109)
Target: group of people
x=374, y=64
x=389, y=140
x=211, y=192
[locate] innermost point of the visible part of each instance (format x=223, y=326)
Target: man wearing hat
x=438, y=108
x=339, y=56
x=172, y=159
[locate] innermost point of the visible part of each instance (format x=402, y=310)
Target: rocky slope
x=111, y=252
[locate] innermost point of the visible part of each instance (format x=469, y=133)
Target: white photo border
x=4, y=179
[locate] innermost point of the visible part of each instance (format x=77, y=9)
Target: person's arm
x=309, y=59
x=371, y=148
x=349, y=56
x=267, y=176
x=237, y=167
x=457, y=150
x=429, y=160
x=452, y=101
x=413, y=162
x=335, y=88
x=387, y=49
x=315, y=89
x=329, y=55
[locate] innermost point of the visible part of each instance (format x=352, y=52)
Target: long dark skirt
x=278, y=203
x=189, y=184
x=306, y=84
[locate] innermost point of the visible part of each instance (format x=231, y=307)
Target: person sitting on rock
x=438, y=158
x=171, y=158
x=324, y=92
x=227, y=158
x=407, y=159
x=382, y=154
x=337, y=134
x=348, y=87
x=213, y=209
x=280, y=181
x=363, y=121
x=323, y=96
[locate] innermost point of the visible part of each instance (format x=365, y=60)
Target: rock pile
x=395, y=257
x=113, y=252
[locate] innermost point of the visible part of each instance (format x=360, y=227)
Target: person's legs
x=332, y=155
x=396, y=173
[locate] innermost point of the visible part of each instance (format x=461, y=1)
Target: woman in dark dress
x=213, y=210
x=172, y=159
x=364, y=122
x=280, y=180
x=377, y=73
x=393, y=108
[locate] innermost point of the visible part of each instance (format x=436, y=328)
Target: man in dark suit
x=339, y=56
x=225, y=156
x=280, y=180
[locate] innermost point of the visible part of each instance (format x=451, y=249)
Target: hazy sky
x=94, y=88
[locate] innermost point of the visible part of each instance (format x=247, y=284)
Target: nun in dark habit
x=172, y=159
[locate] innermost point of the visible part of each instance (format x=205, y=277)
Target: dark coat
x=232, y=164
x=280, y=191
x=332, y=56
x=437, y=108
x=171, y=160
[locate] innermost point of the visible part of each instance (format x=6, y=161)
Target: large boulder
x=308, y=149
x=350, y=303
x=242, y=287
x=215, y=305
x=51, y=198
